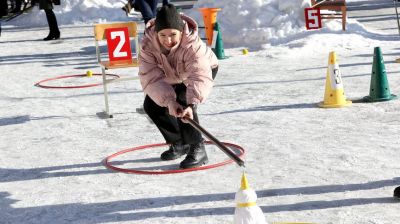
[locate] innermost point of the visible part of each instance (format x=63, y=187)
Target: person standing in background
x=47, y=6
x=148, y=8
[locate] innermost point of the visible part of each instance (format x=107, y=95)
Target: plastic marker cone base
x=379, y=87
x=334, y=93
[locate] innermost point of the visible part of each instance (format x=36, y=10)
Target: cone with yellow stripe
x=334, y=91
x=247, y=211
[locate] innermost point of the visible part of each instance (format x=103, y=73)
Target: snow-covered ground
x=306, y=163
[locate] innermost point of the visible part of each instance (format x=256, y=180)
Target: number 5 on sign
x=119, y=47
x=313, y=18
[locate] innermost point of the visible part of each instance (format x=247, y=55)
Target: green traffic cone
x=219, y=45
x=379, y=88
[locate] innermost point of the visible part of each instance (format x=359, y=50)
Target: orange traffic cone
x=334, y=92
x=209, y=18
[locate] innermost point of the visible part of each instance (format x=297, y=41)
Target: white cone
x=247, y=211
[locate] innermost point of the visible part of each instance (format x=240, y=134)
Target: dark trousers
x=148, y=8
x=172, y=128
x=52, y=21
x=18, y=4
x=3, y=8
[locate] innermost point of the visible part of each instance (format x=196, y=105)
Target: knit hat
x=168, y=17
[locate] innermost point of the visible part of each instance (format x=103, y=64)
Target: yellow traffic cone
x=334, y=92
x=247, y=211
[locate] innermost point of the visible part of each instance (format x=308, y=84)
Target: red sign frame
x=313, y=18
x=118, y=43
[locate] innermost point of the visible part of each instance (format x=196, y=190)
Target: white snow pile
x=249, y=23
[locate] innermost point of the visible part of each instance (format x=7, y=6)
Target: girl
x=176, y=73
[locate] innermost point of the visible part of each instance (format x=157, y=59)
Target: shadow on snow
x=131, y=210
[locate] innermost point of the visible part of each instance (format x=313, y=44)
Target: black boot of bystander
x=53, y=26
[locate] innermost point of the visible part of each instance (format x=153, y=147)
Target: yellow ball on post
x=245, y=51
x=89, y=73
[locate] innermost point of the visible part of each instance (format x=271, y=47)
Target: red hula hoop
x=39, y=84
x=108, y=160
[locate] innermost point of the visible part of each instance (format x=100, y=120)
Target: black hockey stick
x=225, y=149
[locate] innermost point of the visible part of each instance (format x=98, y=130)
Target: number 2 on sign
x=119, y=47
x=117, y=51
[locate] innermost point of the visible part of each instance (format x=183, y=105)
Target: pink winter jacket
x=190, y=63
